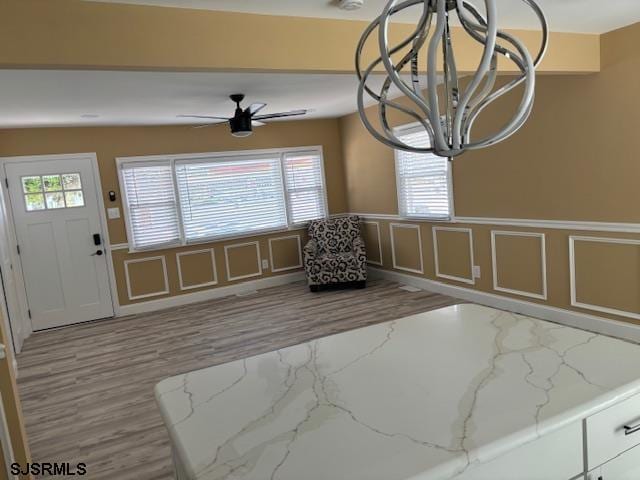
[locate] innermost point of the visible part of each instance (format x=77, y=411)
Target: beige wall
x=575, y=160
x=110, y=143
x=79, y=34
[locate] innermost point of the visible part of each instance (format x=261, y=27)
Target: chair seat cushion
x=339, y=261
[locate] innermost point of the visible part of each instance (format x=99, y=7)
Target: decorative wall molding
x=216, y=241
x=213, y=266
x=583, y=321
x=555, y=224
x=165, y=291
x=393, y=246
x=380, y=216
x=572, y=274
x=293, y=267
x=377, y=224
x=439, y=274
x=210, y=294
x=543, y=259
x=619, y=227
x=258, y=259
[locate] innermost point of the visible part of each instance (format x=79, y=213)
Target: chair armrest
x=359, y=250
x=310, y=250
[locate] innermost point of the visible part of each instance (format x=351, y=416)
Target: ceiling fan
x=243, y=120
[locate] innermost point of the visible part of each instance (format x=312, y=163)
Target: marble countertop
x=422, y=397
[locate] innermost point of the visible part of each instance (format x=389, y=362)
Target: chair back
x=335, y=235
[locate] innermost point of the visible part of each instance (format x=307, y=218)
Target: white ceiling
x=41, y=98
x=588, y=16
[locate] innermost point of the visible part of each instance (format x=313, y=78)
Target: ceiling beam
x=68, y=34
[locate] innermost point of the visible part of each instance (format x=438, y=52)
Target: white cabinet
x=612, y=431
x=611, y=438
x=624, y=467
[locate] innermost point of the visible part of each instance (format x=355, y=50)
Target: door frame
x=23, y=305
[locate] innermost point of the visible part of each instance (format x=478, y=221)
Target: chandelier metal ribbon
x=447, y=115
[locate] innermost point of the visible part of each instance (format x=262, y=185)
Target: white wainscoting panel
x=439, y=274
x=212, y=254
x=543, y=258
x=393, y=246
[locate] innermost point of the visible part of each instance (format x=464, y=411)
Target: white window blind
x=304, y=185
x=222, y=197
x=151, y=202
x=422, y=179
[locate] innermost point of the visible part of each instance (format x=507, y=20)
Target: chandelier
x=443, y=107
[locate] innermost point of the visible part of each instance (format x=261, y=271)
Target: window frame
x=408, y=128
x=287, y=191
x=216, y=156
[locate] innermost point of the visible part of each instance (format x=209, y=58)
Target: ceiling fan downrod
x=437, y=101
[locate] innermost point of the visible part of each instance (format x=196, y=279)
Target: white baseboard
x=584, y=321
x=211, y=294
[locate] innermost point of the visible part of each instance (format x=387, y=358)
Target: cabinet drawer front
x=607, y=436
x=624, y=467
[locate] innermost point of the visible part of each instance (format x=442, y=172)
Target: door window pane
x=34, y=201
x=74, y=198
x=31, y=184
x=71, y=181
x=52, y=183
x=54, y=200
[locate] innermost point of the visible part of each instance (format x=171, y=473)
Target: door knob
x=98, y=252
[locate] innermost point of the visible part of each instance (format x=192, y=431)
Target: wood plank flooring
x=87, y=390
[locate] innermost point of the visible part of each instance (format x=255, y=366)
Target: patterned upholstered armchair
x=335, y=253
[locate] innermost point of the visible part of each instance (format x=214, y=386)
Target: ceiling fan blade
x=256, y=123
x=225, y=119
x=292, y=113
x=255, y=107
x=206, y=125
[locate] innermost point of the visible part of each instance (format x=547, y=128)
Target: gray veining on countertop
x=422, y=397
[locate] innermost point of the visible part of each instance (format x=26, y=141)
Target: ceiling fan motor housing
x=241, y=125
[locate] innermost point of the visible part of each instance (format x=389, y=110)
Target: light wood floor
x=87, y=390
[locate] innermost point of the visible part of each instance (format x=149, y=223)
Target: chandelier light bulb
x=446, y=110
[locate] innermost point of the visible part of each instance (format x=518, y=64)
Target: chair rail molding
x=618, y=227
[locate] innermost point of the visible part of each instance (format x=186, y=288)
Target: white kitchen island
x=465, y=392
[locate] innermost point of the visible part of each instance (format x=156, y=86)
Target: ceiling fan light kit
x=447, y=116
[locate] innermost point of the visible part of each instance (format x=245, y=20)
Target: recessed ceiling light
x=89, y=115
x=350, y=4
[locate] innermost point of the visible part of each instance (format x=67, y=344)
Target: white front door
x=60, y=239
